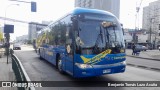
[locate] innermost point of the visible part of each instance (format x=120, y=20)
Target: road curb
x=144, y=58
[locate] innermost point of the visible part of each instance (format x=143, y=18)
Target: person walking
x=133, y=49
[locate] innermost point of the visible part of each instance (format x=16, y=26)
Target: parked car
x=159, y=48
x=144, y=48
x=141, y=48
x=16, y=46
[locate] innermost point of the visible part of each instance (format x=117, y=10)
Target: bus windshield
x=90, y=28
x=89, y=33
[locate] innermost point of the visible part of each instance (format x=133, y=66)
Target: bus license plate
x=107, y=71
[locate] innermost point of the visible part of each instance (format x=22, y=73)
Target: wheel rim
x=60, y=65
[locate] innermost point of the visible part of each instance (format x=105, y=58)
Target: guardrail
x=20, y=73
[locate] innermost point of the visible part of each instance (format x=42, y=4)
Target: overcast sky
x=48, y=10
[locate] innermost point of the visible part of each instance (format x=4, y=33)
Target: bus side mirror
x=122, y=28
x=123, y=31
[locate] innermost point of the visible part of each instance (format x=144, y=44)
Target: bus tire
x=59, y=65
x=40, y=57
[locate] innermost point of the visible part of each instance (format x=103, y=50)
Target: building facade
x=151, y=21
x=112, y=6
x=22, y=38
x=142, y=37
x=34, y=28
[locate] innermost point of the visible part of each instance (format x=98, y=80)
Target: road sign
x=8, y=28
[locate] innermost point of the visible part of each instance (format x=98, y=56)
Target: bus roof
x=80, y=10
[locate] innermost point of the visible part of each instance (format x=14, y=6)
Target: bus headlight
x=124, y=62
x=83, y=66
x=122, y=50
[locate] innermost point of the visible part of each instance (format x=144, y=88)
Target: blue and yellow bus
x=84, y=43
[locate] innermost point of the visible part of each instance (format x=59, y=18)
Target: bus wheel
x=40, y=57
x=60, y=65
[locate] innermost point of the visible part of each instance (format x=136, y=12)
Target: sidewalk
x=6, y=72
x=149, y=54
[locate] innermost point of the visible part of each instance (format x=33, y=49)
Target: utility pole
x=135, y=37
x=150, y=33
x=7, y=30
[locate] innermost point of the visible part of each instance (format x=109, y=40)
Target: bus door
x=42, y=49
x=69, y=52
x=45, y=52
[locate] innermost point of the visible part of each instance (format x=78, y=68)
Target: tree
x=1, y=36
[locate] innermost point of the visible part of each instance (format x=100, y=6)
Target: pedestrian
x=133, y=49
x=34, y=45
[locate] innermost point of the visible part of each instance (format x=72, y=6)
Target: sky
x=51, y=10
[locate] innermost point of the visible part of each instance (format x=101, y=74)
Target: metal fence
x=20, y=73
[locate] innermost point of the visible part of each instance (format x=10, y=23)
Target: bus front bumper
x=98, y=70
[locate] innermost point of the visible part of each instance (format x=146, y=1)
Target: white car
x=16, y=46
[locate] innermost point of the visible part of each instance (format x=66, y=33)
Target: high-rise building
x=112, y=6
x=151, y=21
x=151, y=16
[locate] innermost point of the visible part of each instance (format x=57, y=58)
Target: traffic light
x=33, y=7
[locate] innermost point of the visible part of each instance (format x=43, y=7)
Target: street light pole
x=7, y=34
x=135, y=37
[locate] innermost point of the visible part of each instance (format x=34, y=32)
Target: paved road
x=40, y=70
x=146, y=63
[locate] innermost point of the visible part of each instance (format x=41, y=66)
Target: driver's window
x=68, y=35
x=69, y=46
